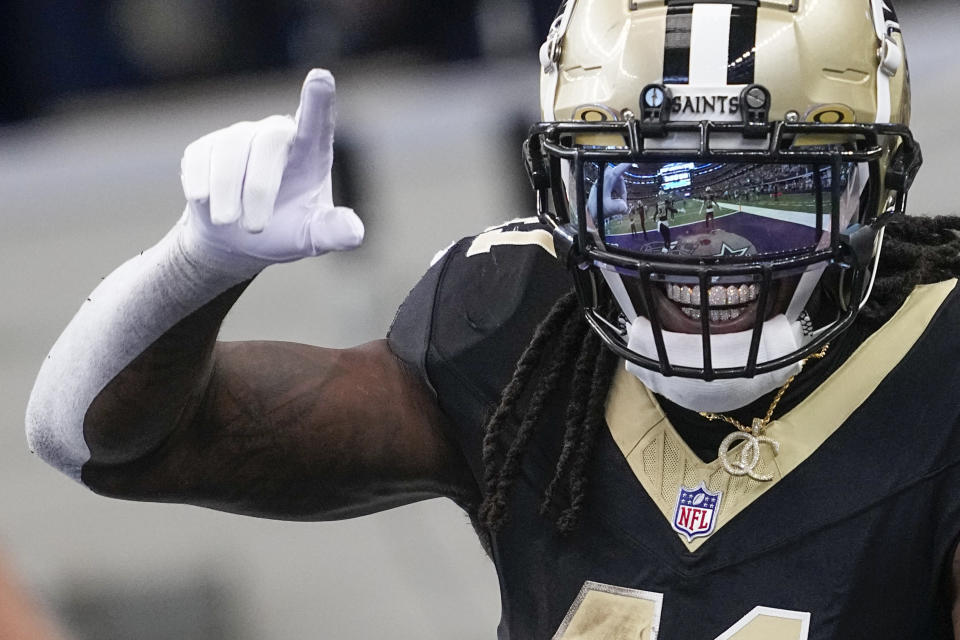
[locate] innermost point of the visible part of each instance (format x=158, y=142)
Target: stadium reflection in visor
x=706, y=210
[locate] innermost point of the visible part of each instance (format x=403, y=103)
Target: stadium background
x=98, y=101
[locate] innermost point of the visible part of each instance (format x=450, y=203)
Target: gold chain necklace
x=753, y=435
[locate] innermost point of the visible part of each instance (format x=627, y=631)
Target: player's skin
x=270, y=429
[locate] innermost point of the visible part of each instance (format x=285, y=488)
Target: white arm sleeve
x=123, y=316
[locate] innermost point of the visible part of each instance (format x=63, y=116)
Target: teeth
x=717, y=296
x=733, y=295
x=718, y=315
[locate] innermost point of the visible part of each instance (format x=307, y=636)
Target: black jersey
x=851, y=539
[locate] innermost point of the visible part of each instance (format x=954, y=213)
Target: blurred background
x=98, y=100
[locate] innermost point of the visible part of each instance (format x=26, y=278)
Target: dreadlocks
x=593, y=370
x=915, y=251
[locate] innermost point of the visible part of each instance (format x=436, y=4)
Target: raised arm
x=137, y=400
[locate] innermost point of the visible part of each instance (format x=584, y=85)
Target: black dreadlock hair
x=916, y=251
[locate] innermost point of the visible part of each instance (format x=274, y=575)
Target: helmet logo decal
x=700, y=105
x=831, y=114
x=594, y=113
x=695, y=515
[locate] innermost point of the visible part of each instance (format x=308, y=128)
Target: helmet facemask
x=716, y=240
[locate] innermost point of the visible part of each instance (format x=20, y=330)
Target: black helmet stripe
x=676, y=51
x=741, y=58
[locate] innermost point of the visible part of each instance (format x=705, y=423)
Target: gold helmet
x=778, y=131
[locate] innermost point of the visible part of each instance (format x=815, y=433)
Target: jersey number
x=614, y=613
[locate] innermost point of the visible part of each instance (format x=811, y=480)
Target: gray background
x=96, y=181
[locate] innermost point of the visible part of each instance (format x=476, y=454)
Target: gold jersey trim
x=498, y=237
x=662, y=461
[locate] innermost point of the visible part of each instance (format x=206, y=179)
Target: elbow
x=54, y=439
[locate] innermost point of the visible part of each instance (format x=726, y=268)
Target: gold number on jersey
x=605, y=612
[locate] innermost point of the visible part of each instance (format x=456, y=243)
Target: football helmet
x=768, y=139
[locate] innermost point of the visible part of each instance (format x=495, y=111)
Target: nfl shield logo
x=696, y=512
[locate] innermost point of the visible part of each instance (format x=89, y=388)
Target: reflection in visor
x=713, y=209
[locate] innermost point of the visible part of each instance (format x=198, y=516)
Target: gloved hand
x=614, y=193
x=260, y=192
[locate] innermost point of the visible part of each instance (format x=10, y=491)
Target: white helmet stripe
x=710, y=44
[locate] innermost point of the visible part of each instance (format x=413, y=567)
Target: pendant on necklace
x=749, y=453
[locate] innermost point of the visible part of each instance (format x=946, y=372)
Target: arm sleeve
x=131, y=308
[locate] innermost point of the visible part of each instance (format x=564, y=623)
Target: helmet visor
x=703, y=210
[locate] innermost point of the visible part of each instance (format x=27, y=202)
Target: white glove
x=614, y=193
x=259, y=192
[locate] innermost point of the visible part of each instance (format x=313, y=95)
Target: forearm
x=159, y=390
x=126, y=366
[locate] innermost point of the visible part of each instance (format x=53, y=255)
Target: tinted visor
x=708, y=209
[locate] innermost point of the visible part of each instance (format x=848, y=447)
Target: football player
x=753, y=436
x=710, y=206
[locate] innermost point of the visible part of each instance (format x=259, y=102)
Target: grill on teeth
x=717, y=295
x=715, y=315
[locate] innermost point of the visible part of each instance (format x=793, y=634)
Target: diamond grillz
x=717, y=296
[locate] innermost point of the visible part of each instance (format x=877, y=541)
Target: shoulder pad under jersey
x=475, y=309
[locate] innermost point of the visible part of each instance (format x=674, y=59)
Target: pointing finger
x=615, y=190
x=315, y=117
x=620, y=169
